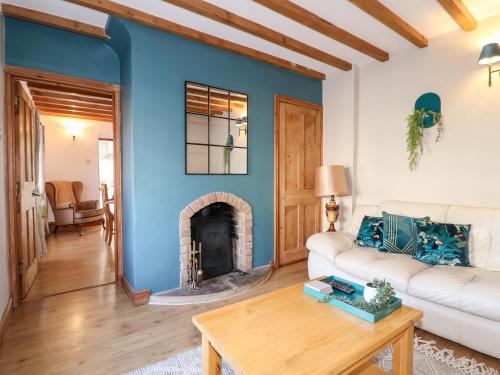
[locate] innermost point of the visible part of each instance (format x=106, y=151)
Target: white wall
x=77, y=160
x=340, y=125
x=464, y=167
x=4, y=257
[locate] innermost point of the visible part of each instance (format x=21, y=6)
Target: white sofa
x=459, y=303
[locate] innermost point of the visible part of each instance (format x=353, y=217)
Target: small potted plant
x=370, y=292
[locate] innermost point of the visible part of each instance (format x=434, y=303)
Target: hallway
x=74, y=263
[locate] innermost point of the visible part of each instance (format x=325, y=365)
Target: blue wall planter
x=430, y=102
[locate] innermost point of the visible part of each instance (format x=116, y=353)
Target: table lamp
x=330, y=181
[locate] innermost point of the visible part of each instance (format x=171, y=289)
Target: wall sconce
x=74, y=132
x=242, y=124
x=73, y=126
x=490, y=54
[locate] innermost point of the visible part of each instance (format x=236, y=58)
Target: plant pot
x=370, y=292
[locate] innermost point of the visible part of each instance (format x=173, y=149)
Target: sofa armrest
x=330, y=244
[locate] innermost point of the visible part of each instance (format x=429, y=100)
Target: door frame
x=278, y=100
x=13, y=74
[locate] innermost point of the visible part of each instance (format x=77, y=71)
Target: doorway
x=106, y=166
x=298, y=151
x=54, y=125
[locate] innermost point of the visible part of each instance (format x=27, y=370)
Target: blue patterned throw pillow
x=400, y=233
x=371, y=233
x=442, y=244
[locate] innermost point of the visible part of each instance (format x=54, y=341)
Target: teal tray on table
x=357, y=295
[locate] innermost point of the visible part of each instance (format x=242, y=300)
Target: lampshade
x=330, y=180
x=490, y=54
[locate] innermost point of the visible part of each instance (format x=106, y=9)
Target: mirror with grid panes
x=216, y=130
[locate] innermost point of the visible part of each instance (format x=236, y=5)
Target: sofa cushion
x=359, y=213
x=330, y=244
x=437, y=212
x=443, y=244
x=358, y=260
x=481, y=296
x=398, y=269
x=371, y=233
x=442, y=284
x=482, y=220
x=400, y=233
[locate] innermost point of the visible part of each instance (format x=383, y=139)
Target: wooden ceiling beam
x=316, y=23
x=57, y=88
x=390, y=19
x=73, y=109
x=212, y=107
x=203, y=93
x=59, y=113
x=56, y=95
x=204, y=100
x=218, y=14
x=69, y=103
x=53, y=21
x=151, y=20
x=459, y=12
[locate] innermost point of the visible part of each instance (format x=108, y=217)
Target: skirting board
x=137, y=298
x=5, y=319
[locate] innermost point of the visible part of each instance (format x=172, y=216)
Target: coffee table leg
x=211, y=359
x=402, y=353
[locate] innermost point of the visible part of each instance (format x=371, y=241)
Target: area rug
x=427, y=360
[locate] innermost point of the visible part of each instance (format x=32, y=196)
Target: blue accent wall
x=160, y=64
x=41, y=47
x=151, y=67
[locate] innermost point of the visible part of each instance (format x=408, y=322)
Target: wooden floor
x=73, y=262
x=98, y=331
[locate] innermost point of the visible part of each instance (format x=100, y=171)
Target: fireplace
x=213, y=227
x=222, y=222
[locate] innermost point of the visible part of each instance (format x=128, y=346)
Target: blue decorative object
x=371, y=233
x=442, y=244
x=400, y=233
x=230, y=141
x=356, y=296
x=431, y=104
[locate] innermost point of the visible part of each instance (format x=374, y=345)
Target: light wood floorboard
x=98, y=331
x=73, y=262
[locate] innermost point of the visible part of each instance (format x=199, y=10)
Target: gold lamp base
x=332, y=213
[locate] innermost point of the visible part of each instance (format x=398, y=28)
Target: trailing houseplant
x=227, y=152
x=415, y=133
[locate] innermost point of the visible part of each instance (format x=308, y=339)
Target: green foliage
x=227, y=152
x=382, y=300
x=225, y=158
x=415, y=134
x=414, y=137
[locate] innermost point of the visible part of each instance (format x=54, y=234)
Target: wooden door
x=26, y=228
x=298, y=153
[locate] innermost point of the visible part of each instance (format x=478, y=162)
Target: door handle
x=35, y=193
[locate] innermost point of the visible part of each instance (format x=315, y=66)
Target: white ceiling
x=427, y=16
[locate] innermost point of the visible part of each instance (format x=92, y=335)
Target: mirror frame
x=208, y=116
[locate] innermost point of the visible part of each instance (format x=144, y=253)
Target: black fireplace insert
x=214, y=227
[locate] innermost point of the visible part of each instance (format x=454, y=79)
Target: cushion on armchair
x=330, y=244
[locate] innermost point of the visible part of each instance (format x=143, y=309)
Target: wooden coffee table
x=288, y=332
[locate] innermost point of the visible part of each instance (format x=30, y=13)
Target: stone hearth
x=243, y=244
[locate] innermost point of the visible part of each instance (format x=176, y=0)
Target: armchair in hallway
x=65, y=198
